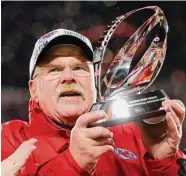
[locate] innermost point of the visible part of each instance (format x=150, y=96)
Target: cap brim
x=67, y=39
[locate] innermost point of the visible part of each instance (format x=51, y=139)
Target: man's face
x=64, y=85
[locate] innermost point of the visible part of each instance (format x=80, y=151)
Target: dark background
x=24, y=22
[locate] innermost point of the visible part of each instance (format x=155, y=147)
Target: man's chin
x=71, y=111
x=70, y=119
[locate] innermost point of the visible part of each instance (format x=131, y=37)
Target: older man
x=62, y=91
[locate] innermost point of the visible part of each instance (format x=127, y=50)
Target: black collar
x=63, y=126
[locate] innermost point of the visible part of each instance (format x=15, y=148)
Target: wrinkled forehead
x=63, y=50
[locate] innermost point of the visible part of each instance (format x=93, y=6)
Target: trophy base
x=144, y=106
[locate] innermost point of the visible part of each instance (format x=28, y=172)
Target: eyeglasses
x=54, y=71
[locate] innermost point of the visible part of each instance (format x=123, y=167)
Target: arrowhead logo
x=125, y=154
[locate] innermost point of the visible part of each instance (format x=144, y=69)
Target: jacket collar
x=41, y=124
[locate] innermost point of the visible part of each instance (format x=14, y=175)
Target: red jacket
x=52, y=156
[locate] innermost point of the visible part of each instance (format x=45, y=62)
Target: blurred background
x=22, y=23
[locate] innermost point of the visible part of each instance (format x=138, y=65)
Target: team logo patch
x=48, y=35
x=125, y=154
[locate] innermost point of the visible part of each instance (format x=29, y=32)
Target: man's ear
x=33, y=90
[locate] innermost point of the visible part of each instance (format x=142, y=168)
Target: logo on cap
x=48, y=35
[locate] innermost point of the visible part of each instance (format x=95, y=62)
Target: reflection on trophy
x=122, y=83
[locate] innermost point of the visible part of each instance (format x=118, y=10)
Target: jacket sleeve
x=165, y=167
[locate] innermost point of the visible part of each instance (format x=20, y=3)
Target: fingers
x=172, y=128
x=23, y=152
x=29, y=143
x=88, y=144
x=168, y=108
x=103, y=149
x=175, y=113
x=177, y=107
x=15, y=161
x=98, y=132
x=103, y=141
x=173, y=133
x=90, y=117
x=26, y=148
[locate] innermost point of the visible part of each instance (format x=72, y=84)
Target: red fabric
x=52, y=156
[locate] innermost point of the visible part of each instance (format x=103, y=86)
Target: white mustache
x=70, y=88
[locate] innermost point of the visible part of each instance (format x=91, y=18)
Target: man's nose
x=68, y=75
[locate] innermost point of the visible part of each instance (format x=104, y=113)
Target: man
x=62, y=92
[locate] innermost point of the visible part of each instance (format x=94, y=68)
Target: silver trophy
x=122, y=81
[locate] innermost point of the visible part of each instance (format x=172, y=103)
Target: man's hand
x=175, y=114
x=13, y=164
x=162, y=140
x=88, y=144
